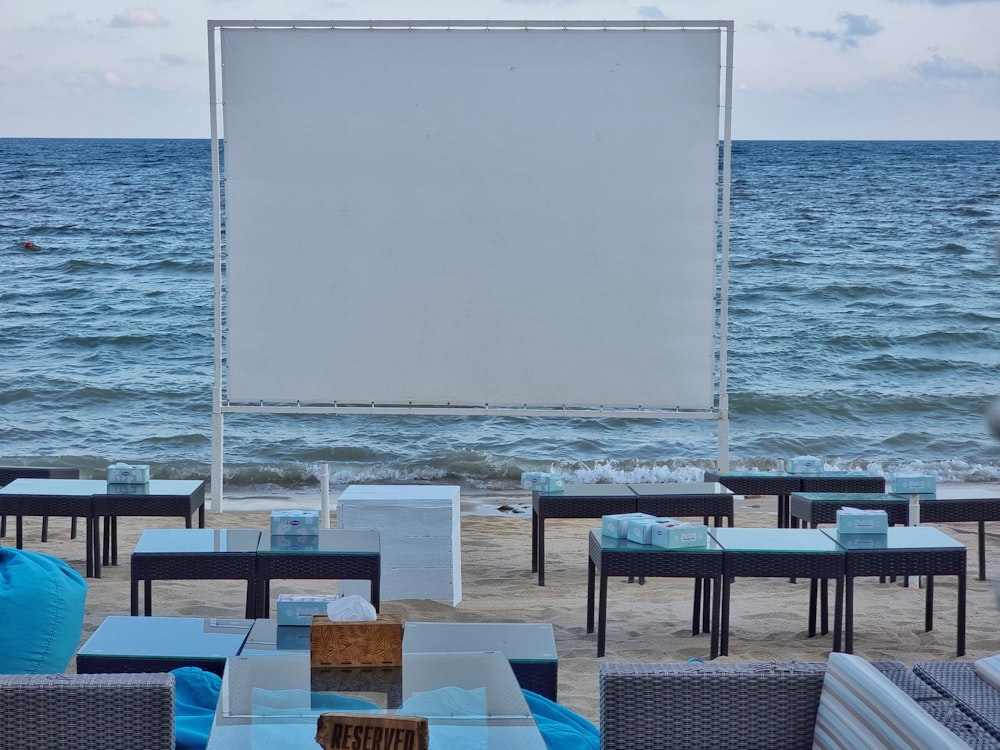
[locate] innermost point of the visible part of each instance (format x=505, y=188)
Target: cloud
x=650, y=13
x=855, y=27
x=112, y=80
x=180, y=61
x=950, y=68
x=134, y=17
x=945, y=2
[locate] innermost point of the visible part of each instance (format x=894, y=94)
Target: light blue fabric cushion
x=860, y=709
x=195, y=694
x=42, y=601
x=561, y=728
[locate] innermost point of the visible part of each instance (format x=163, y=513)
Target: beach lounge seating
x=962, y=682
x=778, y=706
x=107, y=711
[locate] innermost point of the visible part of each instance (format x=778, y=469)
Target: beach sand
x=650, y=622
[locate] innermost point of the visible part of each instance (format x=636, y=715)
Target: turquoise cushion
x=42, y=602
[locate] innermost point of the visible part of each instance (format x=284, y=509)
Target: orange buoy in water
x=29, y=245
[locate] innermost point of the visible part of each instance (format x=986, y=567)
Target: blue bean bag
x=42, y=601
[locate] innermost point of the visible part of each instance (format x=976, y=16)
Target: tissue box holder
x=867, y=522
x=616, y=524
x=126, y=474
x=805, y=465
x=864, y=541
x=640, y=530
x=295, y=523
x=355, y=643
x=679, y=536
x=298, y=609
x=541, y=481
x=914, y=485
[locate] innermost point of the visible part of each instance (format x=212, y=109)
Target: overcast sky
x=804, y=69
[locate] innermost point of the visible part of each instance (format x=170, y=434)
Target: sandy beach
x=649, y=622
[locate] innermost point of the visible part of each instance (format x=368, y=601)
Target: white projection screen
x=474, y=216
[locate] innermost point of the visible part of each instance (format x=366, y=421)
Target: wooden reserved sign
x=346, y=731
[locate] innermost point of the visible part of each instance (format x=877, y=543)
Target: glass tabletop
x=614, y=543
x=959, y=493
x=120, y=635
x=903, y=537
x=327, y=542
x=774, y=540
x=851, y=499
x=592, y=490
x=680, y=488
x=55, y=487
x=197, y=540
x=172, y=487
x=471, y=700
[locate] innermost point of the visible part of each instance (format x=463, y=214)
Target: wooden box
x=356, y=644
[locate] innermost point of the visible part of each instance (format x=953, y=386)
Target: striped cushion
x=988, y=669
x=860, y=709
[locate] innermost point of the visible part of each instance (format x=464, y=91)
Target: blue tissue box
x=298, y=609
x=805, y=465
x=294, y=523
x=542, y=481
x=126, y=474
x=913, y=485
x=616, y=524
x=863, y=541
x=864, y=522
x=670, y=534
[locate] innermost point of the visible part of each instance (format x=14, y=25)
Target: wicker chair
x=92, y=711
x=757, y=706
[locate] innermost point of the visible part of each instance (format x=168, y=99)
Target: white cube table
x=420, y=531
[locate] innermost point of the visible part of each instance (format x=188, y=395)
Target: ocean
x=864, y=328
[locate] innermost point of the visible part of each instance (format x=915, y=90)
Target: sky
x=803, y=69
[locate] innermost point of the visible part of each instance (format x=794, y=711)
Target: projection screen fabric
x=471, y=217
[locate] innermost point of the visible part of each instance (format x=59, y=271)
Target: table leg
x=848, y=614
x=541, y=550
x=251, y=598
x=838, y=612
x=724, y=625
x=114, y=540
x=135, y=597
x=960, y=650
x=45, y=528
x=534, y=541
x=93, y=541
x=148, y=591
x=824, y=608
x=812, y=606
x=201, y=516
x=591, y=568
x=929, y=604
x=696, y=609
x=602, y=615
x=713, y=650
x=784, y=503
x=376, y=585
x=706, y=612
x=982, y=550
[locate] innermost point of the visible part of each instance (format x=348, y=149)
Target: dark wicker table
x=813, y=508
x=783, y=484
x=908, y=551
x=9, y=473
x=620, y=557
x=337, y=554
x=576, y=501
x=69, y=498
x=160, y=497
x=782, y=553
x=159, y=644
x=683, y=499
x=953, y=505
x=194, y=554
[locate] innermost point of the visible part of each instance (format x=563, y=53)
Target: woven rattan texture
x=106, y=712
x=959, y=681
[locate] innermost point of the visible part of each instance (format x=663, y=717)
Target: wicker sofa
x=755, y=706
x=92, y=711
